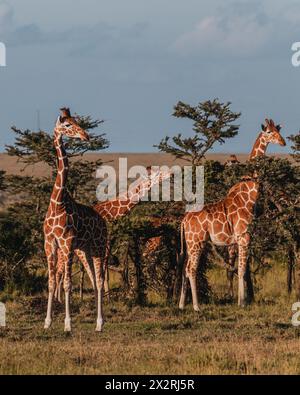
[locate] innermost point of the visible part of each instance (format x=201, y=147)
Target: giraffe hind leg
x=59, y=276
x=99, y=271
x=183, y=289
x=87, y=262
x=194, y=255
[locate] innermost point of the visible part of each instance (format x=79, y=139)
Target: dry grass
x=158, y=339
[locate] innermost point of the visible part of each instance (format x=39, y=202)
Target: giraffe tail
x=182, y=239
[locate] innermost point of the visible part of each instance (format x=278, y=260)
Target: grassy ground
x=158, y=339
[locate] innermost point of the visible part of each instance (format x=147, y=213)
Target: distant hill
x=12, y=166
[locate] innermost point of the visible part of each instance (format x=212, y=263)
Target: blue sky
x=129, y=62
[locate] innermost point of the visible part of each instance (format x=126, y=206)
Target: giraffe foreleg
x=191, y=270
x=232, y=252
x=192, y=276
x=50, y=250
x=67, y=257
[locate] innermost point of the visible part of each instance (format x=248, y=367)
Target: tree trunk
x=249, y=284
x=297, y=269
x=140, y=288
x=290, y=270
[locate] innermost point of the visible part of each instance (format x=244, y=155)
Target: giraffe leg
x=192, y=276
x=59, y=276
x=68, y=259
x=50, y=250
x=106, y=283
x=230, y=273
x=183, y=289
x=59, y=291
x=243, y=246
x=106, y=270
x=81, y=282
x=86, y=260
x=99, y=284
x=193, y=250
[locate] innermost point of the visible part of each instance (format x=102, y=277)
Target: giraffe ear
x=263, y=127
x=278, y=127
x=62, y=119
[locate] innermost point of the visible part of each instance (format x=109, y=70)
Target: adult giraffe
x=70, y=227
x=225, y=222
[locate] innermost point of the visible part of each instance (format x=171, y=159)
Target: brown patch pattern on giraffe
x=225, y=222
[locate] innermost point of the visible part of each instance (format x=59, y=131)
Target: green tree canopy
x=213, y=122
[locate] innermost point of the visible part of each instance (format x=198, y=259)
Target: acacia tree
x=213, y=122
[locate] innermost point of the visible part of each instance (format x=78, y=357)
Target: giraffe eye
x=68, y=125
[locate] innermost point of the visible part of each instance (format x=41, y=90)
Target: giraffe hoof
x=196, y=308
x=241, y=303
x=181, y=307
x=47, y=324
x=67, y=326
x=99, y=326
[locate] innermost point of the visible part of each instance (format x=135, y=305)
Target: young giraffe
x=112, y=210
x=123, y=204
x=70, y=227
x=155, y=243
x=225, y=222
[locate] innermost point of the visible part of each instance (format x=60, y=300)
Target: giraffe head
x=68, y=126
x=271, y=133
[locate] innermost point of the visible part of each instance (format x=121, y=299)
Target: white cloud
x=240, y=29
x=236, y=33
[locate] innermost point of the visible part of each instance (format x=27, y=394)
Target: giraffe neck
x=114, y=209
x=58, y=192
x=259, y=147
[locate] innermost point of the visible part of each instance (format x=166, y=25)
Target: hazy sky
x=130, y=61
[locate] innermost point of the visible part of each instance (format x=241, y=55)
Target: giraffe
x=258, y=149
x=112, y=210
x=232, y=160
x=116, y=208
x=72, y=228
x=225, y=222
